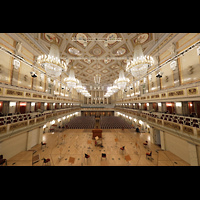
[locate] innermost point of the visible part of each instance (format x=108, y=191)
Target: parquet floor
x=72, y=144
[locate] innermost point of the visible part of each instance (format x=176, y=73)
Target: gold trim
x=176, y=93
x=13, y=92
x=192, y=91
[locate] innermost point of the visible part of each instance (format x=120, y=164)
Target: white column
x=99, y=98
x=162, y=140
x=40, y=134
x=95, y=97
x=152, y=135
x=193, y=154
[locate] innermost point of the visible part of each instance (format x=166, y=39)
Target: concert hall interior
x=99, y=99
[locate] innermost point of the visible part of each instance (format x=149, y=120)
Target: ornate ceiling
x=86, y=69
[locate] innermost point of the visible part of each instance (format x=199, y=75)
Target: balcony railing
x=30, y=123
x=175, y=125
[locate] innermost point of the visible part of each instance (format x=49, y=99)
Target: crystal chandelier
x=121, y=82
x=139, y=65
x=114, y=88
x=71, y=80
x=52, y=63
x=79, y=88
x=85, y=93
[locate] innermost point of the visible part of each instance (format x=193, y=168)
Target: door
x=155, y=107
x=22, y=107
x=197, y=105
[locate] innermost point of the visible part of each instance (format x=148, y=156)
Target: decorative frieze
x=192, y=91
x=188, y=130
x=176, y=93
x=37, y=96
x=3, y=129
x=14, y=93
x=18, y=125
x=40, y=119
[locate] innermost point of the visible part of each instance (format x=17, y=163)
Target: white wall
x=178, y=108
x=22, y=142
x=12, y=109
x=177, y=146
x=33, y=138
x=13, y=145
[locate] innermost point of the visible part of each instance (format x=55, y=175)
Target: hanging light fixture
x=79, y=87
x=139, y=65
x=71, y=80
x=97, y=77
x=52, y=63
x=121, y=82
x=115, y=88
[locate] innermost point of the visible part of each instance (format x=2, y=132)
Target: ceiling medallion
x=82, y=39
x=120, y=51
x=141, y=38
x=111, y=38
x=97, y=51
x=51, y=37
x=74, y=51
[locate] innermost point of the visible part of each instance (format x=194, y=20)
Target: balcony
x=177, y=125
x=19, y=123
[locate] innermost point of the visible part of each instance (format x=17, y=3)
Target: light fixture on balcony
x=52, y=63
x=139, y=64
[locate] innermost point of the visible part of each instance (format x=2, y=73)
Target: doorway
x=170, y=107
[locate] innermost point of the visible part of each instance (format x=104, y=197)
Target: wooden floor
x=72, y=144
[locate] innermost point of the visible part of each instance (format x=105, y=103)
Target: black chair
x=2, y=160
x=145, y=144
x=42, y=144
x=87, y=156
x=103, y=156
x=149, y=155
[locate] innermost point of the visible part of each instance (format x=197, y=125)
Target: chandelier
x=79, y=88
x=85, y=93
x=139, y=65
x=52, y=63
x=71, y=80
x=115, y=88
x=121, y=82
x=97, y=79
